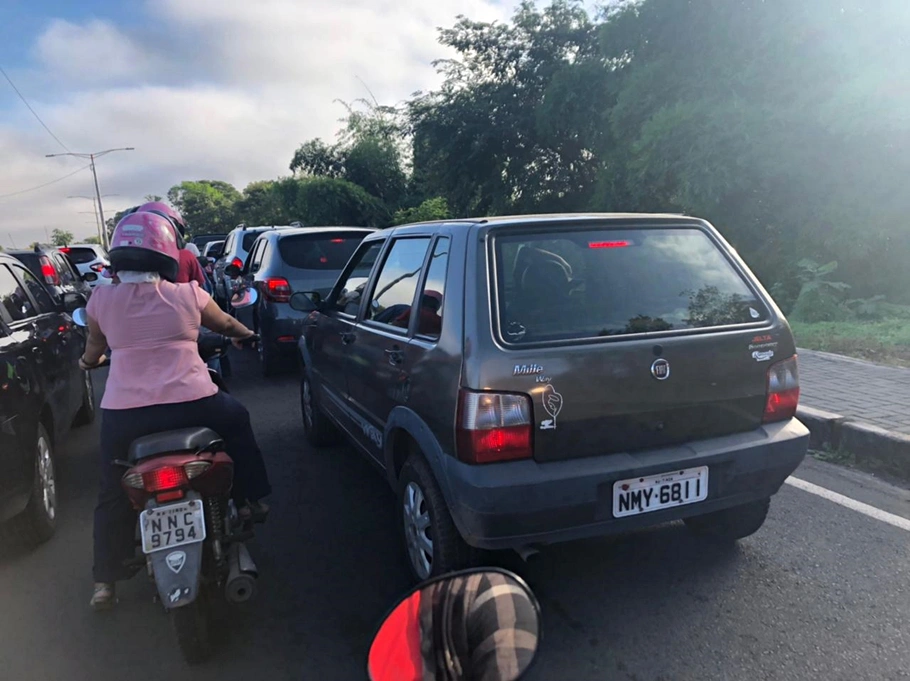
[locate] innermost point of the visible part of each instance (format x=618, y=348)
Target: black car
x=54, y=267
x=42, y=393
x=286, y=260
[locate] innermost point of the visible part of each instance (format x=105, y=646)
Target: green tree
x=206, y=205
x=61, y=237
x=327, y=201
x=515, y=124
x=436, y=208
x=261, y=204
x=91, y=240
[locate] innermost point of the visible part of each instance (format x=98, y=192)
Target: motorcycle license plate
x=174, y=525
x=657, y=492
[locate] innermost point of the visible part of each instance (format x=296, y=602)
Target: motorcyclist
x=189, y=269
x=157, y=382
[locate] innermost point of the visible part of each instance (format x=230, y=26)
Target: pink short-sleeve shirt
x=152, y=331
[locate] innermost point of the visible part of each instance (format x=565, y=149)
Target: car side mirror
x=475, y=624
x=73, y=301
x=306, y=301
x=232, y=271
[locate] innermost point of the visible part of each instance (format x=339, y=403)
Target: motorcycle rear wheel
x=193, y=629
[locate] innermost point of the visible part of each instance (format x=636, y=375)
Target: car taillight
x=237, y=262
x=65, y=249
x=783, y=391
x=48, y=272
x=278, y=289
x=493, y=427
x=97, y=267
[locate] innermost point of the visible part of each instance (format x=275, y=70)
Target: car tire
x=86, y=414
x=433, y=545
x=36, y=524
x=731, y=524
x=319, y=431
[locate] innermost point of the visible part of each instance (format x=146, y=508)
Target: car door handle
x=347, y=337
x=395, y=355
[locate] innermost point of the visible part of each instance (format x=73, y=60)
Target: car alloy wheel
x=417, y=532
x=46, y=478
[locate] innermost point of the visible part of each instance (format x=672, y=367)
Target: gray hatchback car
x=529, y=380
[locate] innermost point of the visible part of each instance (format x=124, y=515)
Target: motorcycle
x=192, y=537
x=479, y=624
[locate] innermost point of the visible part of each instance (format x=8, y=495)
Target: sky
x=203, y=89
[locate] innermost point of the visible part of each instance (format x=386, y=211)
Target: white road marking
x=847, y=502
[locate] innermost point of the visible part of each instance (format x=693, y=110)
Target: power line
x=46, y=184
x=25, y=101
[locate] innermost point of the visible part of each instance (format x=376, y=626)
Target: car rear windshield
x=31, y=261
x=319, y=251
x=80, y=256
x=612, y=282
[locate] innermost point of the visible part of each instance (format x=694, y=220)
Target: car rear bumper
x=525, y=503
x=282, y=333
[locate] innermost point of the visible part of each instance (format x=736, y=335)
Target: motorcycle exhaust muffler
x=242, y=573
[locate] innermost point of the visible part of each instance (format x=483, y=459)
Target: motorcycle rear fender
x=178, y=586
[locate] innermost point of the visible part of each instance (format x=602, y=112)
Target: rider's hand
x=238, y=342
x=88, y=367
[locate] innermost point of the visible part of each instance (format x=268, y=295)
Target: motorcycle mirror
x=244, y=298
x=475, y=624
x=80, y=317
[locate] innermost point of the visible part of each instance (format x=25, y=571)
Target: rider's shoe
x=256, y=511
x=104, y=596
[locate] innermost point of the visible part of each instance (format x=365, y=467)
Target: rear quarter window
x=318, y=251
x=597, y=283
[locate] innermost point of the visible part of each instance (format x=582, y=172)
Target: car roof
x=566, y=219
x=293, y=231
x=92, y=246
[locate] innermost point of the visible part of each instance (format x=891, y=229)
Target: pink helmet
x=145, y=242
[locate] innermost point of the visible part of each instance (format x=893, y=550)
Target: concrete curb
x=871, y=446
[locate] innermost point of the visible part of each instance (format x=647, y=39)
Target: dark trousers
x=115, y=519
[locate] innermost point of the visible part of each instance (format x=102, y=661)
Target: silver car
x=89, y=259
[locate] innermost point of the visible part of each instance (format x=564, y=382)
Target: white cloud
x=93, y=53
x=217, y=89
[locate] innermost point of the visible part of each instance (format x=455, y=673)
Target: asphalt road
x=821, y=592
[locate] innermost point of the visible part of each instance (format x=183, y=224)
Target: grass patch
x=885, y=342
x=839, y=456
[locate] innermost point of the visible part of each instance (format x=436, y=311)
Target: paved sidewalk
x=860, y=391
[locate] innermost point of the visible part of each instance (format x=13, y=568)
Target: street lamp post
x=91, y=157
x=98, y=224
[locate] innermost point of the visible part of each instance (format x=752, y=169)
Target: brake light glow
x=337, y=241
x=278, y=289
x=164, y=478
x=783, y=391
x=237, y=262
x=48, y=272
x=97, y=267
x=493, y=427
x=65, y=249
x=609, y=244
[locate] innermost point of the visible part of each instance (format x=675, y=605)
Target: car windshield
x=597, y=282
x=318, y=251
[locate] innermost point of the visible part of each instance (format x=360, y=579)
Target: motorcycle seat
x=172, y=441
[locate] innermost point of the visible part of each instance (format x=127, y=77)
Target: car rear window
x=319, y=251
x=598, y=283
x=80, y=256
x=31, y=261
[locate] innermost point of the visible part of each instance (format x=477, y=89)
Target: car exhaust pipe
x=242, y=573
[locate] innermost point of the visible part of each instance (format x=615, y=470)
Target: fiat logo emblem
x=660, y=369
